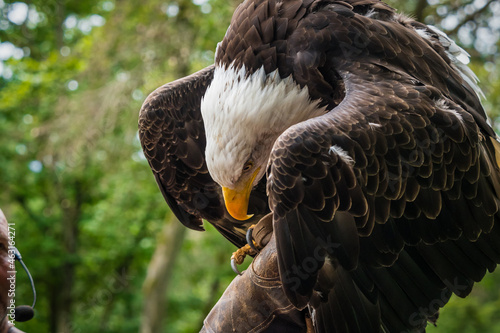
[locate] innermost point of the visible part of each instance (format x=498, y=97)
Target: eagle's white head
x=243, y=116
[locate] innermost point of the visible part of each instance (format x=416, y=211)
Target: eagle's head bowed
x=243, y=115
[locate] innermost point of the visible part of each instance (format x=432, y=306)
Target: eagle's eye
x=248, y=165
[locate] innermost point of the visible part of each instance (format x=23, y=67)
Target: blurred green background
x=87, y=212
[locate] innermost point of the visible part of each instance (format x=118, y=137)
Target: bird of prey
x=362, y=133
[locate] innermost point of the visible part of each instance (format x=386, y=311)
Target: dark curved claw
x=250, y=239
x=239, y=256
x=234, y=266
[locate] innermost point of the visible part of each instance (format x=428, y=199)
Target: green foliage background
x=87, y=212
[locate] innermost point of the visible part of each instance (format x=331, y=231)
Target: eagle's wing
x=172, y=136
x=390, y=202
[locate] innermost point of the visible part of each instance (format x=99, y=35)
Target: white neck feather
x=458, y=56
x=241, y=112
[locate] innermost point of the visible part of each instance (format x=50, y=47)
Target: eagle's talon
x=234, y=266
x=250, y=240
x=239, y=256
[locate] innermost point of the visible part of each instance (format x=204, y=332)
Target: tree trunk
x=160, y=270
x=419, y=10
x=61, y=312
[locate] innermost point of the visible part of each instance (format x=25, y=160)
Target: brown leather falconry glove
x=255, y=301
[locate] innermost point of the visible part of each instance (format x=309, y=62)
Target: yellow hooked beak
x=237, y=199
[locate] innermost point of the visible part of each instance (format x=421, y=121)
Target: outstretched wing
x=173, y=140
x=390, y=202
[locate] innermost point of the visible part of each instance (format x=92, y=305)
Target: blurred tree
x=70, y=157
x=160, y=270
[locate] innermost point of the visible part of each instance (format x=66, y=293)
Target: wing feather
x=173, y=140
x=407, y=155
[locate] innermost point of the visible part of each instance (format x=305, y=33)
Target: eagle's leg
x=239, y=256
x=250, y=240
x=258, y=236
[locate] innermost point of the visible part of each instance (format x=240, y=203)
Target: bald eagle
x=362, y=133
